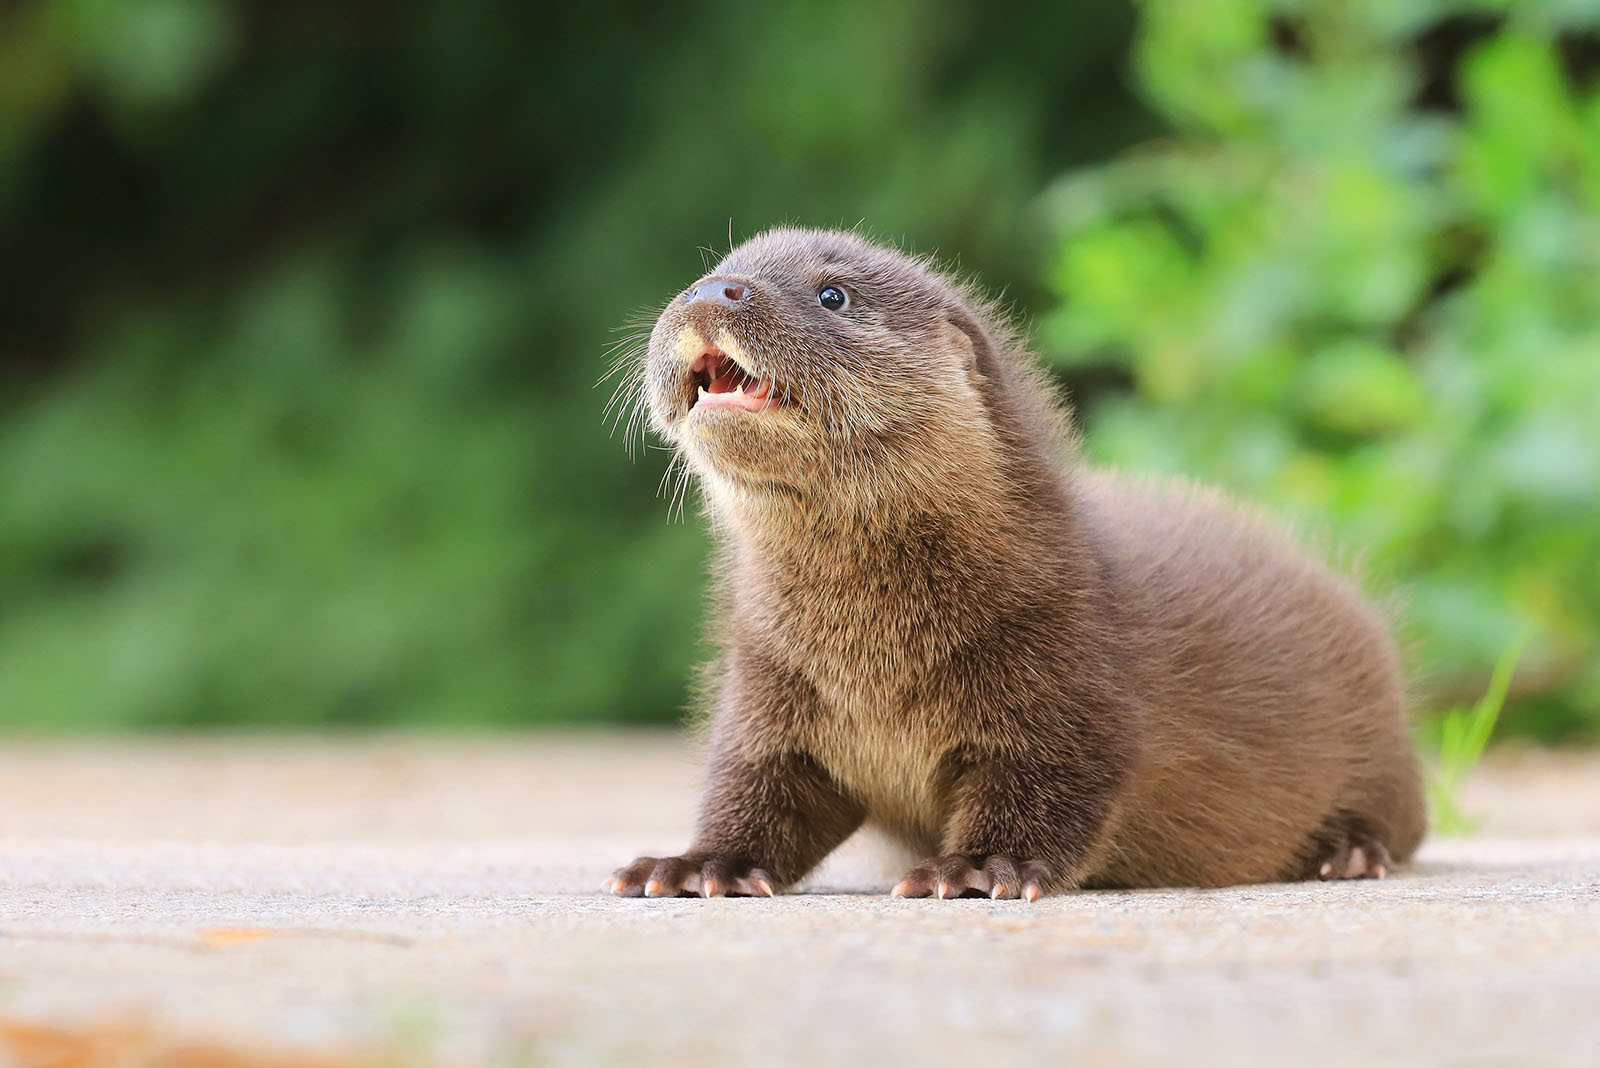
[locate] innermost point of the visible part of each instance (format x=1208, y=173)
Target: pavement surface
x=421, y=900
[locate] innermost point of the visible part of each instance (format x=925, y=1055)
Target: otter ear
x=959, y=335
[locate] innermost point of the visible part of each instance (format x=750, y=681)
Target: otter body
x=936, y=618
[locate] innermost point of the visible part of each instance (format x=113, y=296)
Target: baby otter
x=938, y=619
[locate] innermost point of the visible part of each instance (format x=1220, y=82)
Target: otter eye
x=833, y=298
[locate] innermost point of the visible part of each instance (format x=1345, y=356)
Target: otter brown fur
x=936, y=618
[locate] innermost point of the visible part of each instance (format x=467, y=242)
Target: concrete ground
x=411, y=900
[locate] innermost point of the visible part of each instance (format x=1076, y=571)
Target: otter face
x=809, y=355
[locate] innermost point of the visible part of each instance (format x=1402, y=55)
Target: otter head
x=813, y=364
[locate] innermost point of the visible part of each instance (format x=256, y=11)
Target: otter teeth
x=723, y=381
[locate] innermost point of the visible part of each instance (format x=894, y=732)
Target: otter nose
x=717, y=291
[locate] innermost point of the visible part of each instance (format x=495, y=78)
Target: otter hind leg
x=1345, y=847
x=1367, y=859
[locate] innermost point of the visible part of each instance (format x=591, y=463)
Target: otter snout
x=719, y=291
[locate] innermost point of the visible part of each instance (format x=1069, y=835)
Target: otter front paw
x=995, y=875
x=691, y=876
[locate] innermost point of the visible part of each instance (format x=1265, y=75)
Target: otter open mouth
x=721, y=382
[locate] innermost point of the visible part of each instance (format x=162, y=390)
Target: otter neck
x=865, y=606
x=916, y=556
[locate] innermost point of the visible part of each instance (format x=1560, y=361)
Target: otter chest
x=868, y=647
x=887, y=760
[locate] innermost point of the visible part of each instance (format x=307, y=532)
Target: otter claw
x=1362, y=858
x=692, y=876
x=994, y=876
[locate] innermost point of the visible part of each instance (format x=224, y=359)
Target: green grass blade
x=1464, y=735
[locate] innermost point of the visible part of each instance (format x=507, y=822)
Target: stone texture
x=418, y=900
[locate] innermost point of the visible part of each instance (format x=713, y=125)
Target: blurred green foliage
x=303, y=303
x=1363, y=284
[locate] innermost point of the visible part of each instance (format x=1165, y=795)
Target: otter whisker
x=681, y=492
x=668, y=477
